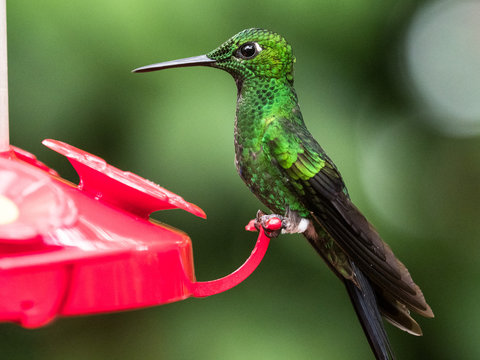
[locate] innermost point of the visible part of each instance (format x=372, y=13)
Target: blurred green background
x=390, y=89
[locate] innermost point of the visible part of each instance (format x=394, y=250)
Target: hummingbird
x=289, y=172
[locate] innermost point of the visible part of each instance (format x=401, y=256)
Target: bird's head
x=248, y=54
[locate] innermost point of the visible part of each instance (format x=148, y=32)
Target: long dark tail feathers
x=365, y=304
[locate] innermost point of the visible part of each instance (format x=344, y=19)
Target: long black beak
x=202, y=60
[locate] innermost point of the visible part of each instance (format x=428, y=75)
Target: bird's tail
x=364, y=301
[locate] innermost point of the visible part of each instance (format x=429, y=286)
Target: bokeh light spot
x=443, y=55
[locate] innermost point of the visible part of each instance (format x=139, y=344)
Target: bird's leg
x=274, y=224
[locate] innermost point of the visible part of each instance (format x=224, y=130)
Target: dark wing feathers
x=330, y=205
x=325, y=183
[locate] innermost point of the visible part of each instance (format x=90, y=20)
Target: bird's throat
x=261, y=102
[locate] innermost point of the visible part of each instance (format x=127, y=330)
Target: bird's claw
x=272, y=224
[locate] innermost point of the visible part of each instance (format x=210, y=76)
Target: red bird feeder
x=69, y=249
x=73, y=250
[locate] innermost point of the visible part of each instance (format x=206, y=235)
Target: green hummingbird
x=285, y=167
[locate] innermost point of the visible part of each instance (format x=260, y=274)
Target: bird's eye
x=248, y=50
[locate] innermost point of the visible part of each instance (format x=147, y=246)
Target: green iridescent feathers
x=287, y=150
x=275, y=60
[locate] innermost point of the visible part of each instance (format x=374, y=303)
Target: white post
x=4, y=140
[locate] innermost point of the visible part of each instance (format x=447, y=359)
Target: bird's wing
x=320, y=187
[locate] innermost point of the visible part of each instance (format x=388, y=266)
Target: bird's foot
x=272, y=224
